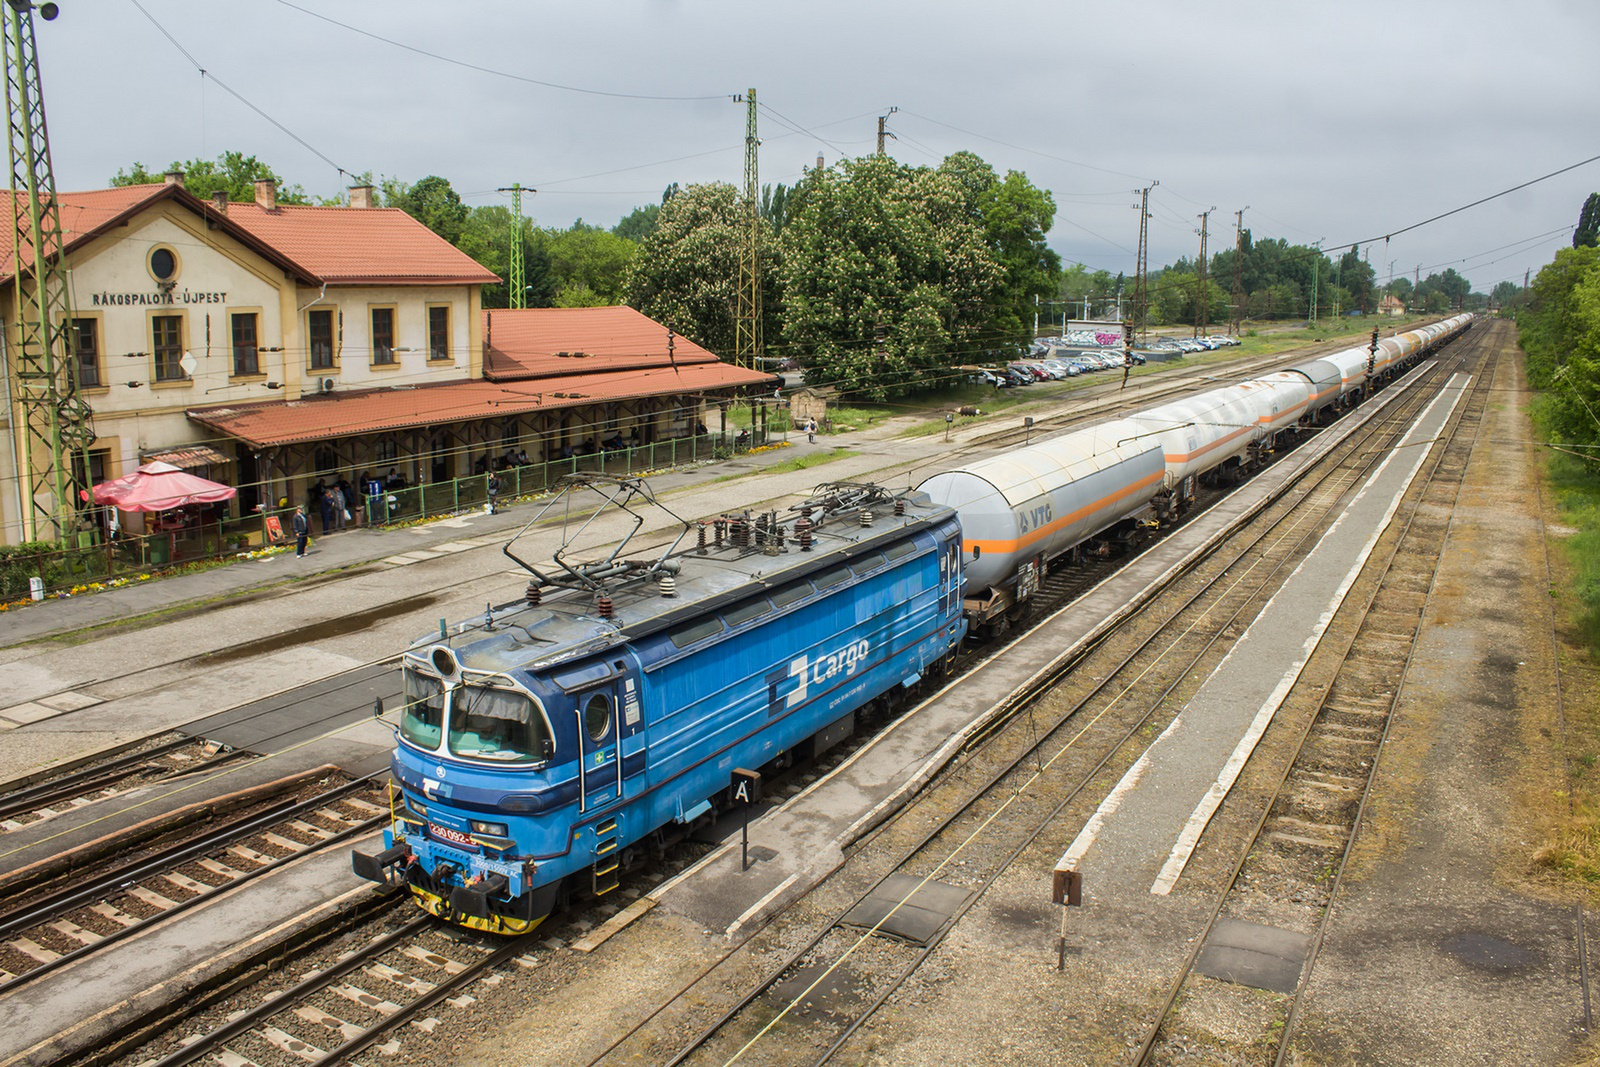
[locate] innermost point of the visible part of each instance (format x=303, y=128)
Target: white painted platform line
x=1207, y=807
x=1190, y=837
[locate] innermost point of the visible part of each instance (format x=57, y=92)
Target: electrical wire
x=204, y=73
x=490, y=70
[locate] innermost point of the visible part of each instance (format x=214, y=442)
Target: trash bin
x=160, y=550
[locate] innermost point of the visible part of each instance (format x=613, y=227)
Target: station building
x=268, y=346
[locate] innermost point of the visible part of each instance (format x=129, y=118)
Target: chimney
x=361, y=196
x=267, y=194
x=174, y=177
x=219, y=200
x=819, y=161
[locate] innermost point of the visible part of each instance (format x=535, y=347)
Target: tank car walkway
x=1145, y=830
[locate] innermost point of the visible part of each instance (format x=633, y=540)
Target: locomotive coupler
x=380, y=868
x=473, y=899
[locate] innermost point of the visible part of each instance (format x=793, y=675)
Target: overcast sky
x=1335, y=121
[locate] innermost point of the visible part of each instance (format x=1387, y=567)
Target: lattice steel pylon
x=747, y=327
x=519, y=278
x=53, y=424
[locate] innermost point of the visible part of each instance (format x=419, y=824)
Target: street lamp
x=948, y=419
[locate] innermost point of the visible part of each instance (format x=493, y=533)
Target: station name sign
x=105, y=300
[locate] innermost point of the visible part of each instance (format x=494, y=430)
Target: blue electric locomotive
x=550, y=743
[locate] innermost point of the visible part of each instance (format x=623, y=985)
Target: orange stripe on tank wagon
x=1184, y=457
x=1066, y=520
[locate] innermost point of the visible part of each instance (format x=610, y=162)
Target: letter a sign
x=746, y=786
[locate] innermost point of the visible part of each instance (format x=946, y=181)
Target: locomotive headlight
x=492, y=829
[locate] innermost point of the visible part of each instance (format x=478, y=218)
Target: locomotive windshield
x=488, y=723
x=497, y=724
x=424, y=709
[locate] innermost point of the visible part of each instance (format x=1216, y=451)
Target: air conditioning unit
x=325, y=385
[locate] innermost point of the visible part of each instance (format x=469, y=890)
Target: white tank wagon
x=1326, y=386
x=1021, y=510
x=1393, y=353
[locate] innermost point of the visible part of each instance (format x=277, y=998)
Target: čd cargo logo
x=842, y=662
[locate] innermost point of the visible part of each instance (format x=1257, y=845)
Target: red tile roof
x=321, y=418
x=360, y=246
x=322, y=245
x=551, y=342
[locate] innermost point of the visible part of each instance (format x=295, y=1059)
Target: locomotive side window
x=750, y=609
x=830, y=577
x=901, y=550
x=497, y=724
x=790, y=594
x=865, y=564
x=597, y=717
x=423, y=716
x=699, y=631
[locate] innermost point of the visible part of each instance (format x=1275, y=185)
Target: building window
x=167, y=331
x=319, y=327
x=86, y=349
x=439, y=333
x=163, y=265
x=244, y=345
x=382, y=336
x=388, y=450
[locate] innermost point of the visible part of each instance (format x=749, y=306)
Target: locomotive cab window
x=497, y=724
x=423, y=715
x=597, y=717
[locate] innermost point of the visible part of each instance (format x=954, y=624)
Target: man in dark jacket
x=302, y=532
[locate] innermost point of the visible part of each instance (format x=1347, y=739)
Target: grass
x=794, y=463
x=1572, y=841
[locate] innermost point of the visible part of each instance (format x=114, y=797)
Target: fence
x=97, y=559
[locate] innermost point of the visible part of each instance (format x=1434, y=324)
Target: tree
x=431, y=202
x=588, y=265
x=486, y=237
x=1016, y=215
x=1504, y=294
x=1587, y=235
x=232, y=172
x=1359, y=281
x=639, y=223
x=888, y=274
x=686, y=272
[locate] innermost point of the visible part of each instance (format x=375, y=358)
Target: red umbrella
x=158, y=486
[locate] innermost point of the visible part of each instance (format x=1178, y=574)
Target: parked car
x=1062, y=368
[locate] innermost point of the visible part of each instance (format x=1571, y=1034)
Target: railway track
x=43, y=929
x=162, y=761
x=307, y=1048
x=1290, y=871
x=937, y=859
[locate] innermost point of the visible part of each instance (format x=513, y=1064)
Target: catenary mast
x=56, y=427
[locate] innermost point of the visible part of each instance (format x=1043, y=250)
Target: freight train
x=558, y=741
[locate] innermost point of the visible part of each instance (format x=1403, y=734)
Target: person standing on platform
x=494, y=492
x=302, y=532
x=336, y=496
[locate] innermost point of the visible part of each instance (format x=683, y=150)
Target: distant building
x=1391, y=305
x=268, y=346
